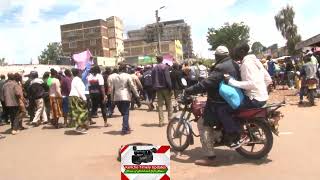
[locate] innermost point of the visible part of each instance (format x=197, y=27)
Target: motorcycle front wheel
x=178, y=134
x=259, y=140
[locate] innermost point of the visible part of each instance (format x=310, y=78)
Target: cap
x=222, y=50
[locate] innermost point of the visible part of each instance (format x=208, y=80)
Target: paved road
x=46, y=153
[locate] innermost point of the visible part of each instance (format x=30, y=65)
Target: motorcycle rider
x=216, y=107
x=254, y=78
x=308, y=71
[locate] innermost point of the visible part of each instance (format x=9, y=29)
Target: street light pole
x=158, y=29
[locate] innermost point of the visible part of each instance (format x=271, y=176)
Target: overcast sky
x=27, y=26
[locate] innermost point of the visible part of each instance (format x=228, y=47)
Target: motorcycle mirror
x=184, y=82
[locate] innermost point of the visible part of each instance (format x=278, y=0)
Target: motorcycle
x=311, y=85
x=257, y=126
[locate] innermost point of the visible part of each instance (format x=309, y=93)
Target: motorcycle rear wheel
x=267, y=141
x=311, y=97
x=173, y=133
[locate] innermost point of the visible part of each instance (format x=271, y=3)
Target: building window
x=93, y=42
x=73, y=44
x=91, y=30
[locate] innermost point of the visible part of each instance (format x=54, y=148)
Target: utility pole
x=158, y=29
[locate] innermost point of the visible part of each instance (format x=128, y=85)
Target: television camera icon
x=142, y=156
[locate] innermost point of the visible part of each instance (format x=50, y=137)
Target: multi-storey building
x=170, y=31
x=135, y=48
x=101, y=37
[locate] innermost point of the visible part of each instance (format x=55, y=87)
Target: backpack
x=234, y=96
x=147, y=79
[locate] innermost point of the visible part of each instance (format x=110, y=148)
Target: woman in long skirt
x=77, y=101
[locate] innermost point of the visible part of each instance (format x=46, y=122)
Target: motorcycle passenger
x=216, y=107
x=254, y=78
x=308, y=71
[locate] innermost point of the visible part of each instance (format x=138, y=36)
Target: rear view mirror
x=184, y=82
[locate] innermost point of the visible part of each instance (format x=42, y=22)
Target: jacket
x=36, y=89
x=161, y=77
x=136, y=82
x=121, y=86
x=176, y=76
x=211, y=86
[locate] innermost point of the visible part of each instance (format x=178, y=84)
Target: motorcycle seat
x=251, y=113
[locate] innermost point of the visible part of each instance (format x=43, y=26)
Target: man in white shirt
x=122, y=89
x=254, y=78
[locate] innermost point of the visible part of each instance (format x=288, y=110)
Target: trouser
x=224, y=114
x=89, y=105
x=123, y=107
x=47, y=106
x=13, y=114
x=206, y=137
x=248, y=103
x=97, y=101
x=135, y=100
x=4, y=115
x=290, y=78
x=31, y=109
x=149, y=95
x=109, y=105
x=40, y=111
x=302, y=92
x=164, y=96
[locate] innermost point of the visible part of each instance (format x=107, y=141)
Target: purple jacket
x=161, y=77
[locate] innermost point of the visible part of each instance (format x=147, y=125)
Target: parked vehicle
x=257, y=126
x=311, y=90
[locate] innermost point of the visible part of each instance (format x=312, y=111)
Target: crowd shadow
x=225, y=157
x=115, y=116
x=150, y=125
x=8, y=131
x=48, y=127
x=113, y=132
x=72, y=133
x=304, y=105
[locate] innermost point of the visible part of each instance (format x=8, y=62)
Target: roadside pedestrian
x=290, y=73
x=78, y=105
x=11, y=98
x=138, y=86
x=148, y=87
x=65, y=91
x=106, y=75
x=162, y=84
x=4, y=114
x=37, y=93
x=22, y=113
x=97, y=93
x=55, y=98
x=111, y=78
x=46, y=99
x=121, y=89
x=176, y=76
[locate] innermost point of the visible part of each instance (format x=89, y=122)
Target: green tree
x=257, y=48
x=3, y=62
x=228, y=35
x=285, y=24
x=51, y=54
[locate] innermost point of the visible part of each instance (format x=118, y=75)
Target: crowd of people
x=76, y=95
